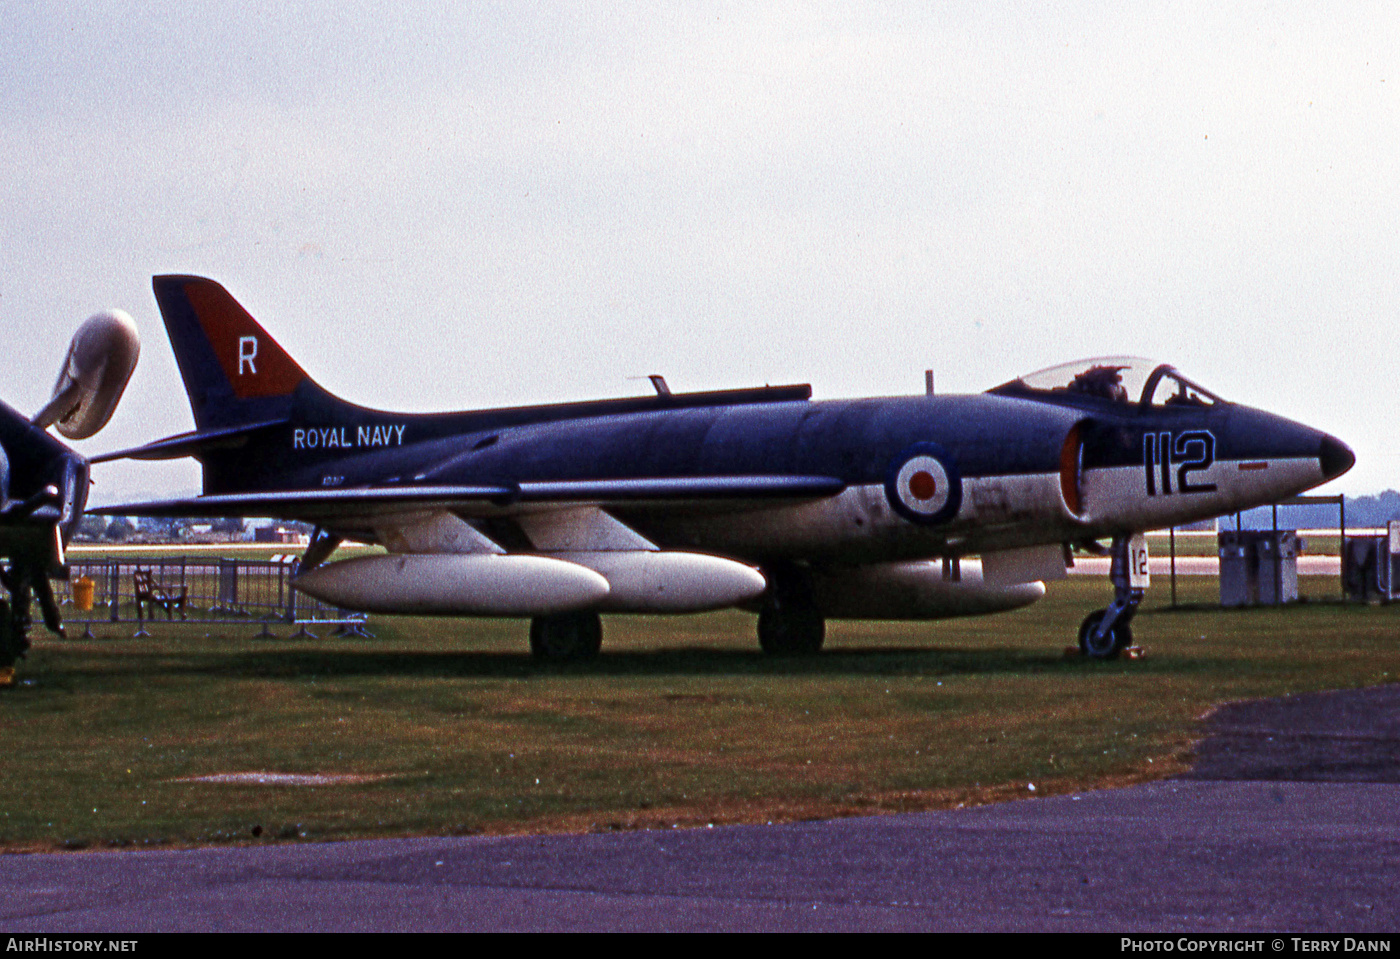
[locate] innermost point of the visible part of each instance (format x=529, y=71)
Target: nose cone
x=1278, y=457
x=1335, y=457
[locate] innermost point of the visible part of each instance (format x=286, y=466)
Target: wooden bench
x=151, y=593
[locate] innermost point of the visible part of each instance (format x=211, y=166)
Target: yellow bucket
x=83, y=589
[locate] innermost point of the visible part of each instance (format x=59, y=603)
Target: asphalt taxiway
x=1290, y=821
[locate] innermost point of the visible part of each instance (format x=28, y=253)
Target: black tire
x=566, y=637
x=1109, y=647
x=790, y=624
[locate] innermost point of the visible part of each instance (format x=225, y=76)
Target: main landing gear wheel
x=566, y=637
x=1091, y=645
x=790, y=624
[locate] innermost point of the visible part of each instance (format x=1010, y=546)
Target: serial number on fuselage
x=340, y=437
x=1191, y=452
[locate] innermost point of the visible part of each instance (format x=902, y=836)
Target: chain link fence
x=206, y=591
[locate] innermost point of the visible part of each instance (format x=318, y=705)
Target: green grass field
x=447, y=726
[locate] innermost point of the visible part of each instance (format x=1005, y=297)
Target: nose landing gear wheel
x=566, y=637
x=1093, y=646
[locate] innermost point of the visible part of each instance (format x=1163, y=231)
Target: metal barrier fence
x=209, y=591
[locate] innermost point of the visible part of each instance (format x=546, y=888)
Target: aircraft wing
x=328, y=505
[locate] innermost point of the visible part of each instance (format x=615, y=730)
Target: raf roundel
x=923, y=484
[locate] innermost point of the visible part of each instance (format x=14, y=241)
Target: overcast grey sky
x=459, y=205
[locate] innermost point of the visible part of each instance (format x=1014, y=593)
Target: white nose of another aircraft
x=100, y=361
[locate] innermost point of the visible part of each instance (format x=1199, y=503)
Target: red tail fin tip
x=251, y=359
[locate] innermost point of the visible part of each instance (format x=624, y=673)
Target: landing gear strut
x=1105, y=633
x=790, y=624
x=566, y=637
x=22, y=583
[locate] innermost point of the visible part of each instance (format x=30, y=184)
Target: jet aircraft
x=681, y=502
x=44, y=483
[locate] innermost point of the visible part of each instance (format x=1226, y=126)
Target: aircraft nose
x=1335, y=457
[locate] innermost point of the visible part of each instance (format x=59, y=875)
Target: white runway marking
x=1204, y=566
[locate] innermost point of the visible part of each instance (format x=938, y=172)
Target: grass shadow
x=673, y=662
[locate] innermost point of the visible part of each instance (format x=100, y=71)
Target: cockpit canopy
x=1130, y=380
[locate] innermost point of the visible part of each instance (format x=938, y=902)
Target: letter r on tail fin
x=233, y=371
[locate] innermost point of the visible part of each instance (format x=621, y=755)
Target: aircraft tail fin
x=234, y=372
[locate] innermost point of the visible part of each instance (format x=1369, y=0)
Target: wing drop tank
x=446, y=584
x=915, y=590
x=664, y=581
